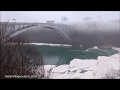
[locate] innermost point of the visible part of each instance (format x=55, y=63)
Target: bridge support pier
x=74, y=45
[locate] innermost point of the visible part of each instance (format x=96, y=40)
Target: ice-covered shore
x=49, y=44
x=86, y=69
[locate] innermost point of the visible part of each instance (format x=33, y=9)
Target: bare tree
x=16, y=56
x=112, y=74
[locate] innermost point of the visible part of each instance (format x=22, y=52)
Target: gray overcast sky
x=43, y=16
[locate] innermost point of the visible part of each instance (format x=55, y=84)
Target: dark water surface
x=53, y=55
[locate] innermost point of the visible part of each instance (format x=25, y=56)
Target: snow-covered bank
x=86, y=69
x=49, y=44
x=46, y=44
x=106, y=64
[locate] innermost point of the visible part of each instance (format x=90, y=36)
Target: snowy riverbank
x=86, y=69
x=49, y=44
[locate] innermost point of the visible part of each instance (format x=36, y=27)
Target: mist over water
x=88, y=33
x=98, y=25
x=98, y=33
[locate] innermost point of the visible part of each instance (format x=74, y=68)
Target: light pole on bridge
x=13, y=23
x=14, y=20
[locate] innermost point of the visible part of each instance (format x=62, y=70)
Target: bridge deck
x=26, y=23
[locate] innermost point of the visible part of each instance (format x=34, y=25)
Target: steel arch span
x=57, y=28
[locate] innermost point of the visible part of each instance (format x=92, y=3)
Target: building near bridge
x=64, y=19
x=87, y=19
x=51, y=21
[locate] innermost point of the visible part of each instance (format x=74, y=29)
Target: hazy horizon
x=43, y=16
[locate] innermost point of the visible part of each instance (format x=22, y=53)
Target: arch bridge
x=61, y=29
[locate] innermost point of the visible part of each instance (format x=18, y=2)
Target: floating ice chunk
x=116, y=48
x=95, y=47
